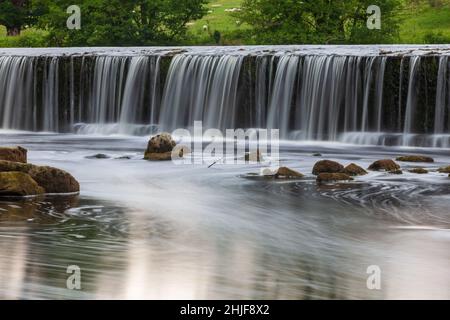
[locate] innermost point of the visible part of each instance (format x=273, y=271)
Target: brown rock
x=285, y=172
x=20, y=184
x=415, y=158
x=354, y=170
x=444, y=169
x=330, y=177
x=160, y=148
x=161, y=143
x=327, y=166
x=384, y=165
x=166, y=156
x=54, y=180
x=396, y=171
x=17, y=154
x=419, y=171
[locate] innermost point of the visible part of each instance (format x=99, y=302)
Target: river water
x=146, y=230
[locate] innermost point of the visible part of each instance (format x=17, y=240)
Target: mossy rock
x=16, y=154
x=444, y=169
x=18, y=184
x=418, y=171
x=415, y=158
x=327, y=166
x=53, y=180
x=384, y=165
x=354, y=170
x=333, y=177
x=287, y=173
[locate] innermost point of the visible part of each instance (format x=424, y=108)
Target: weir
x=377, y=95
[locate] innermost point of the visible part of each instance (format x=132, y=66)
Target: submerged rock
x=98, y=156
x=415, y=158
x=396, y=171
x=285, y=172
x=444, y=169
x=332, y=177
x=16, y=154
x=354, y=170
x=160, y=147
x=384, y=165
x=418, y=171
x=317, y=155
x=52, y=180
x=18, y=184
x=327, y=166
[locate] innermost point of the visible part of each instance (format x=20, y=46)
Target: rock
x=53, y=180
x=160, y=148
x=98, y=156
x=285, y=172
x=317, y=155
x=327, y=166
x=396, y=171
x=354, y=170
x=330, y=177
x=415, y=158
x=444, y=169
x=158, y=156
x=7, y=166
x=161, y=143
x=124, y=158
x=254, y=156
x=18, y=184
x=17, y=154
x=418, y=171
x=384, y=165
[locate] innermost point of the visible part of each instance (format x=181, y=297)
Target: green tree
x=121, y=22
x=14, y=15
x=318, y=21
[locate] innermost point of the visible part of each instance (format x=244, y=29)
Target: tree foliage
x=318, y=21
x=120, y=22
x=15, y=14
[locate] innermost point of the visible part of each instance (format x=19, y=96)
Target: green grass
x=217, y=19
x=28, y=38
x=420, y=22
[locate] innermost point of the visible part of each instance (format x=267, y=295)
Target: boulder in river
x=333, y=177
x=16, y=154
x=444, y=169
x=18, y=184
x=160, y=147
x=415, y=158
x=418, y=171
x=285, y=172
x=354, y=170
x=327, y=166
x=52, y=180
x=384, y=165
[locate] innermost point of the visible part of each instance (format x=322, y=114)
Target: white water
x=308, y=92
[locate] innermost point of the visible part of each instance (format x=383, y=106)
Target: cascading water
x=349, y=94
